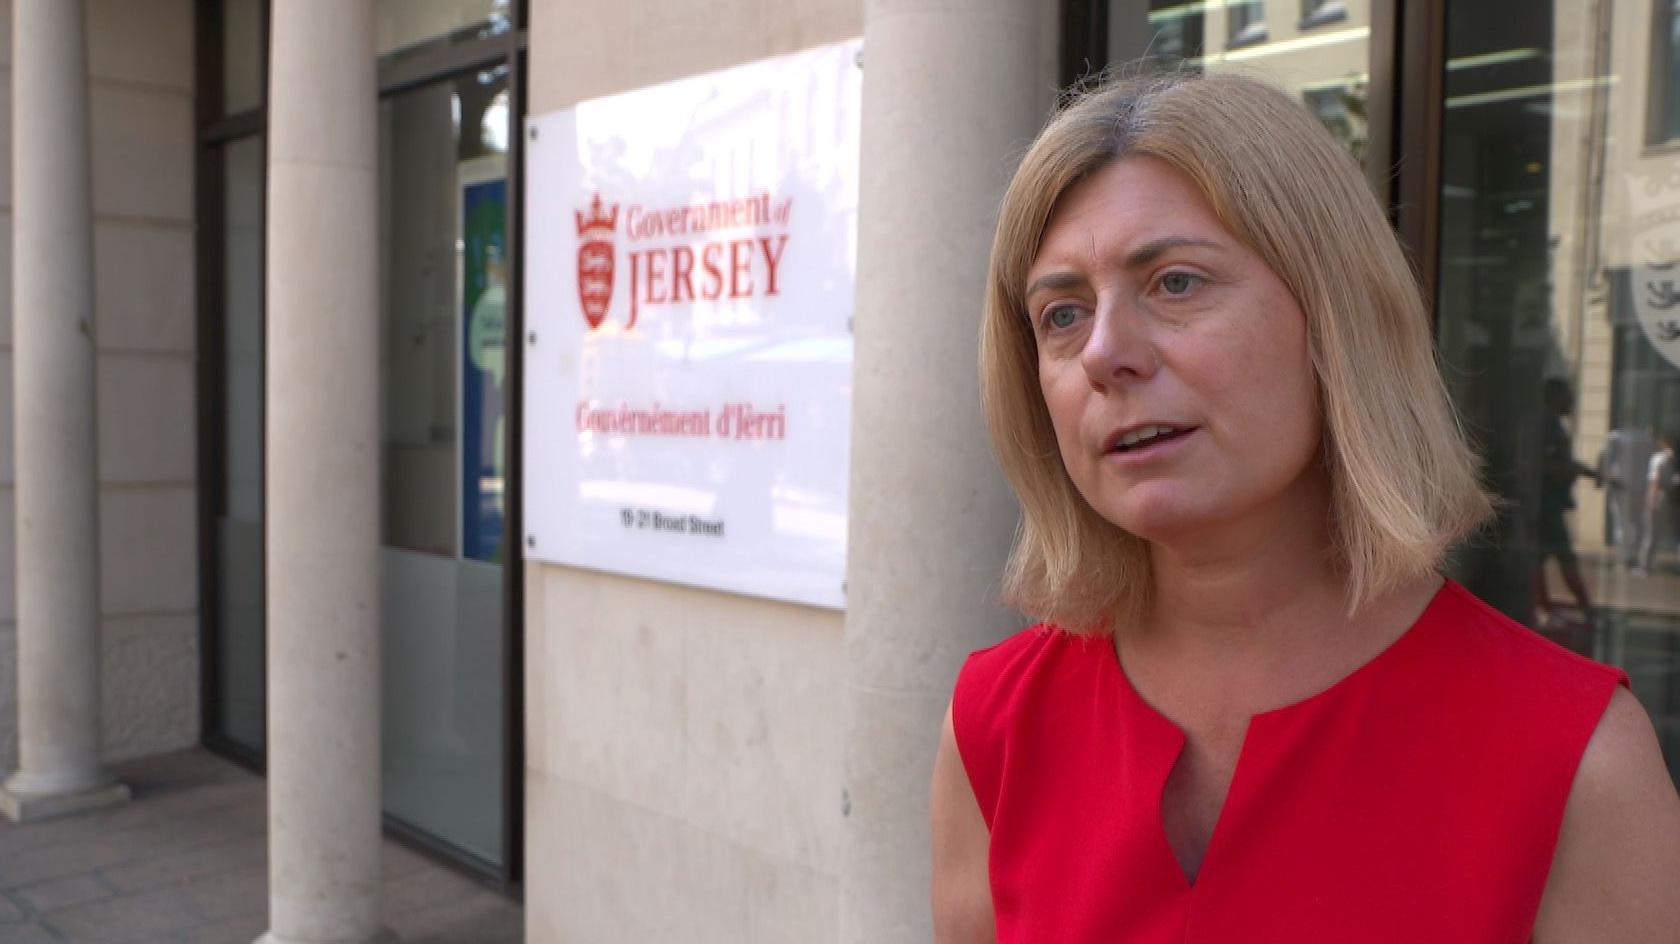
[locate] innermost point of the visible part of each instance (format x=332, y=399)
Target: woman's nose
x=1119, y=347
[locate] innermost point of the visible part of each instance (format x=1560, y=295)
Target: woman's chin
x=1161, y=521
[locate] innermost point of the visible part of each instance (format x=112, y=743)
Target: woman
x=1255, y=711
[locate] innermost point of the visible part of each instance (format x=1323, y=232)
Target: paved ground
x=185, y=863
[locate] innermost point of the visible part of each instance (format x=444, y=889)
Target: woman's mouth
x=1149, y=438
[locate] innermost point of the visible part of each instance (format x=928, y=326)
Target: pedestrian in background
x=1661, y=479
x=1621, y=469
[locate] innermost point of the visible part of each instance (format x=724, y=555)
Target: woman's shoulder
x=1502, y=693
x=1006, y=669
x=1506, y=658
x=988, y=674
x=1016, y=651
x=1007, y=685
x=1619, y=843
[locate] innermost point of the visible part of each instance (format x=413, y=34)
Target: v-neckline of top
x=1177, y=739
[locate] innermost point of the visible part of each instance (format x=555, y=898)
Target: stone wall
x=683, y=763
x=141, y=63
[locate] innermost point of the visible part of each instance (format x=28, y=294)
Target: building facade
x=139, y=94
x=305, y=476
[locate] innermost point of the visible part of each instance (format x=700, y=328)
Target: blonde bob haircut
x=1404, y=482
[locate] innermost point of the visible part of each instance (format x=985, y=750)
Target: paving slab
x=153, y=916
x=236, y=931
x=31, y=933
x=186, y=863
x=57, y=893
x=209, y=859
x=481, y=919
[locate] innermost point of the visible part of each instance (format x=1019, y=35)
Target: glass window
x=242, y=55
x=1340, y=104
x=1166, y=31
x=400, y=24
x=1329, y=65
x=1665, y=73
x=1319, y=12
x=1245, y=22
x=239, y=521
x=1559, y=324
x=443, y=272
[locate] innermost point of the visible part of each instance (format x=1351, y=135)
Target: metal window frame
x=398, y=72
x=215, y=132
x=1417, y=103
x=1084, y=41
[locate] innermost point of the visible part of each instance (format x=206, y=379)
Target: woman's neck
x=1245, y=589
x=1260, y=586
x=1261, y=605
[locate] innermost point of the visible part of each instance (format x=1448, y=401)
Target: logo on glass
x=596, y=232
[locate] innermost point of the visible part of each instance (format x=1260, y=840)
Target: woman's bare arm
x=962, y=892
x=1617, y=856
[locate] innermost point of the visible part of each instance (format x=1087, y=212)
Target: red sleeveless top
x=1418, y=799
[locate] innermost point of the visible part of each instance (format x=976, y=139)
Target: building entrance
x=443, y=265
x=448, y=109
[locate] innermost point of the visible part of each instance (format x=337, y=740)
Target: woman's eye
x=1177, y=283
x=1061, y=316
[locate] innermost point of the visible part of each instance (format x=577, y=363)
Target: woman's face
x=1172, y=360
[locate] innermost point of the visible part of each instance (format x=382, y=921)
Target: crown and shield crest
x=596, y=232
x=1654, y=226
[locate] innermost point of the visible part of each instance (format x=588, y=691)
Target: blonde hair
x=1404, y=482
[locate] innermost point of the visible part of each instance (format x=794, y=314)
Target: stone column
x=322, y=476
x=53, y=399
x=952, y=93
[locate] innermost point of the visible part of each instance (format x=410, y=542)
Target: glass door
x=1559, y=319
x=444, y=274
x=239, y=716
x=232, y=179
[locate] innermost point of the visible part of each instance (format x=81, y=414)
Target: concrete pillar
x=323, y=476
x=952, y=93
x=53, y=391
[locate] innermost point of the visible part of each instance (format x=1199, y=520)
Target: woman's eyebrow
x=1141, y=256
x=1055, y=282
x=1152, y=250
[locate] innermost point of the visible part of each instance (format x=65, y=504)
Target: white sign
x=689, y=259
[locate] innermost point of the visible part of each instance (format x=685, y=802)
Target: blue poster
x=484, y=368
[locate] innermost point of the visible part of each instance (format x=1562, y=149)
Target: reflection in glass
x=403, y=24
x=1245, y=22
x=1168, y=32
x=1665, y=74
x=443, y=272
x=1319, y=12
x=243, y=56
x=1325, y=56
x=1559, y=323
x=1340, y=105
x=239, y=522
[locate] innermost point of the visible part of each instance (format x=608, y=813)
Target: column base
x=384, y=936
x=21, y=807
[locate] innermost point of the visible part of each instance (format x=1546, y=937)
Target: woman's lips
x=1153, y=447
